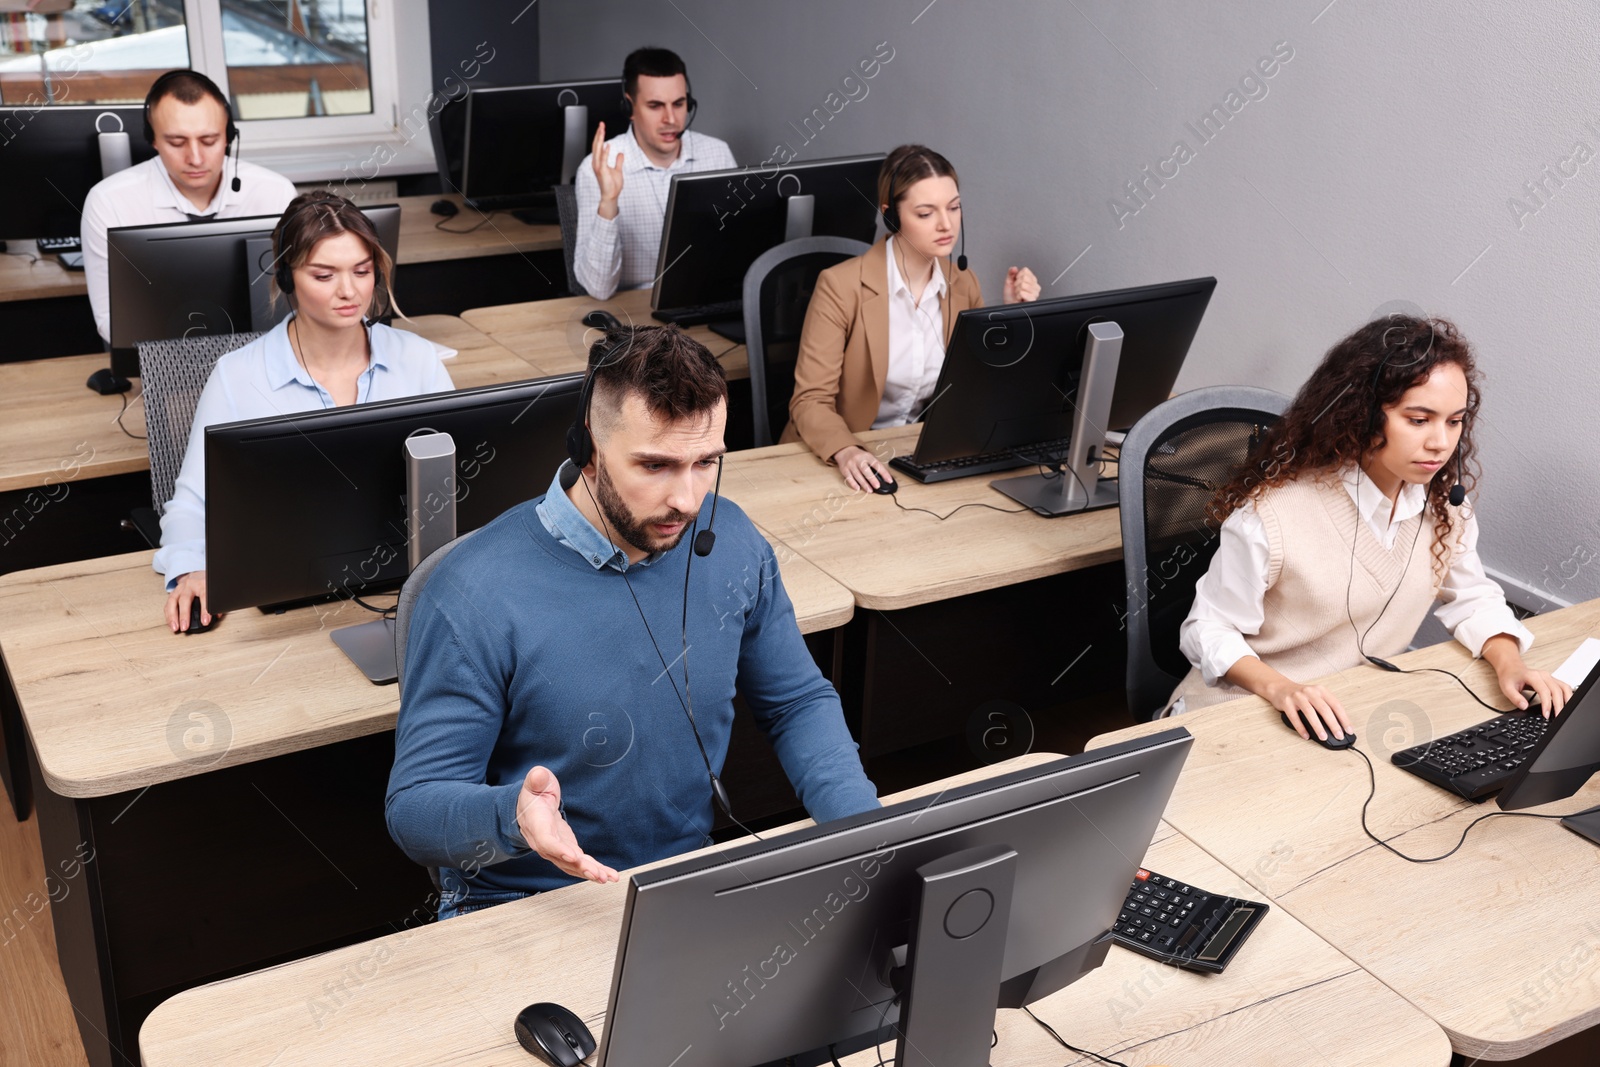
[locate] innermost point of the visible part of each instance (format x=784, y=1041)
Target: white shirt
x=1229, y=598
x=144, y=195
x=263, y=379
x=916, y=347
x=621, y=253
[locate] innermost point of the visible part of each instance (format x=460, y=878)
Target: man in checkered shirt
x=623, y=184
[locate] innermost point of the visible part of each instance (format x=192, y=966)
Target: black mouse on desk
x=105, y=381
x=602, y=320
x=447, y=208
x=554, y=1034
x=1332, y=742
x=195, y=614
x=886, y=487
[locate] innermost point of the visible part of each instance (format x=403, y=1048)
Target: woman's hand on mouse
x=861, y=469
x=189, y=587
x=546, y=831
x=1311, y=709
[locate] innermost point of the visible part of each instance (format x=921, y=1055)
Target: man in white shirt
x=188, y=122
x=623, y=183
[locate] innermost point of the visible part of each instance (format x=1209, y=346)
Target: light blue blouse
x=263, y=379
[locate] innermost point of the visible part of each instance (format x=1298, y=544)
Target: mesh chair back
x=777, y=291
x=567, y=215
x=174, y=374
x=1172, y=465
x=409, y=592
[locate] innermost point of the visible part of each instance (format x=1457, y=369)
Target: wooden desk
x=551, y=335
x=39, y=279
x=421, y=240
x=892, y=558
x=54, y=429
x=1498, y=943
x=447, y=992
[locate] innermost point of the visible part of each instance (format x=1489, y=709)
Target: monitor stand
x=957, y=952
x=1076, y=484
x=430, y=460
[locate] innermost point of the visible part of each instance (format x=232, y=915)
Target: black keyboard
x=1183, y=926
x=1479, y=760
x=51, y=245
x=700, y=314
x=944, y=470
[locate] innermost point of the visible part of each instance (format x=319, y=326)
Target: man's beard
x=634, y=531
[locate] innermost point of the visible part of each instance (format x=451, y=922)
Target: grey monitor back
x=756, y=952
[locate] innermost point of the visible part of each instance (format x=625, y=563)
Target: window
x=316, y=84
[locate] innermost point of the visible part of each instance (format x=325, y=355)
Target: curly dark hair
x=1337, y=417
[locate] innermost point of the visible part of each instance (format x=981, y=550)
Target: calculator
x=1181, y=925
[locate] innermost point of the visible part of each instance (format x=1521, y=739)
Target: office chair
x=777, y=291
x=409, y=592
x=1171, y=465
x=567, y=215
x=174, y=374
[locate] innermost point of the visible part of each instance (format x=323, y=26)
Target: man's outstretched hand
x=547, y=833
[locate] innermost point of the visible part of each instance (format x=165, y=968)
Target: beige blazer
x=844, y=348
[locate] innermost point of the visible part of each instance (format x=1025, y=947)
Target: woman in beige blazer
x=877, y=326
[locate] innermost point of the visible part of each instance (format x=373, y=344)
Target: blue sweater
x=521, y=653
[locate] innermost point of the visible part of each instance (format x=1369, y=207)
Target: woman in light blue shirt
x=336, y=277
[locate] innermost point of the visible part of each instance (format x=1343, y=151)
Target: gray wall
x=1379, y=163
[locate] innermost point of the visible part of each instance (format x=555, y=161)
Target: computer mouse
x=554, y=1034
x=601, y=319
x=447, y=208
x=105, y=382
x=195, y=625
x=1346, y=741
x=886, y=487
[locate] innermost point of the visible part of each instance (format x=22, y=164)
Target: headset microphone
x=235, y=147
x=706, y=539
x=1457, y=495
x=961, y=256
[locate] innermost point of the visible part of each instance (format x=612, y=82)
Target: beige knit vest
x=1306, y=631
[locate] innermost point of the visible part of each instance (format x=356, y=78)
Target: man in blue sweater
x=548, y=730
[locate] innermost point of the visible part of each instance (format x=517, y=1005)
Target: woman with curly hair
x=1344, y=526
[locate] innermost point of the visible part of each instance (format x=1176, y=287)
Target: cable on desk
x=472, y=229
x=1373, y=779
x=32, y=259
x=973, y=504
x=124, y=411
x=389, y=612
x=1063, y=1041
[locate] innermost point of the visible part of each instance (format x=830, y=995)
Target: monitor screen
x=50, y=159
x=786, y=946
x=517, y=138
x=180, y=279
x=305, y=506
x=719, y=221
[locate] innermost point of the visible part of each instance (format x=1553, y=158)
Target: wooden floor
x=36, y=1023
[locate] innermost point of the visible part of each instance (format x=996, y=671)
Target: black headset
x=1376, y=420
x=209, y=87
x=283, y=269
x=580, y=450
x=891, y=213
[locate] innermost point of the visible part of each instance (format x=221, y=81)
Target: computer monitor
x=313, y=505
x=1043, y=383
x=182, y=279
x=719, y=221
x=50, y=159
x=1566, y=757
x=521, y=140
x=990, y=895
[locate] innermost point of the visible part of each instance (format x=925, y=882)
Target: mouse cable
x=389, y=612
x=472, y=229
x=1373, y=779
x=946, y=515
x=1064, y=1044
x=124, y=411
